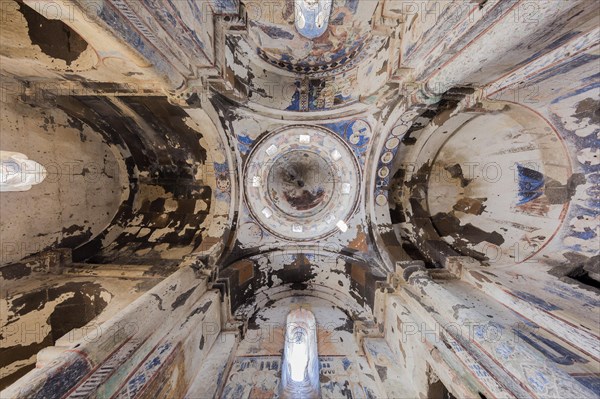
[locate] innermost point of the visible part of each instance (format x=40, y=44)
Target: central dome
x=302, y=182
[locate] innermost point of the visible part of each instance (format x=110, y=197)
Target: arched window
x=300, y=371
x=298, y=354
x=19, y=173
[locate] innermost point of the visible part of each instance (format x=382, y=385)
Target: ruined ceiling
x=408, y=136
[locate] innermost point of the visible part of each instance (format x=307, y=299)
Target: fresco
x=272, y=30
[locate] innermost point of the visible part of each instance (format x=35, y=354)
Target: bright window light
x=298, y=355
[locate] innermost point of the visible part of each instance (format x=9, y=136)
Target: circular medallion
x=383, y=172
x=399, y=130
x=392, y=143
x=387, y=157
x=381, y=200
x=302, y=183
x=409, y=116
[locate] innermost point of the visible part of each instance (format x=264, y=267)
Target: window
x=300, y=371
x=298, y=354
x=19, y=173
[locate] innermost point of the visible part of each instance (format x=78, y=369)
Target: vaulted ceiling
x=408, y=136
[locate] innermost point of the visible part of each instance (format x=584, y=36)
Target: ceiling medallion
x=302, y=183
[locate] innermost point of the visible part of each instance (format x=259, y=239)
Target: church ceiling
x=383, y=145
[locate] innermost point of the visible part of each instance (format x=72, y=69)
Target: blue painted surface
x=536, y=301
x=552, y=46
x=538, y=381
x=244, y=143
x=57, y=385
x=311, y=29
x=295, y=103
x=531, y=184
x=567, y=292
x=550, y=349
x=226, y=6
x=504, y=350
x=588, y=204
x=581, y=90
x=591, y=381
x=346, y=363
